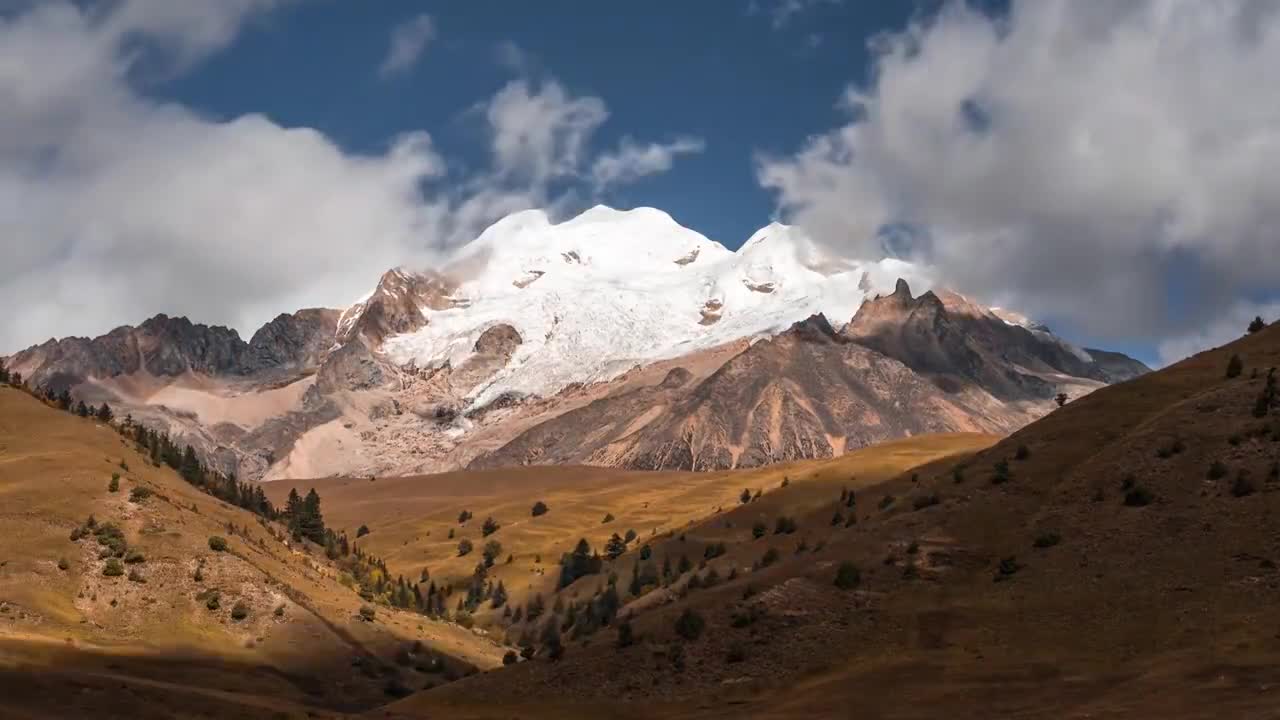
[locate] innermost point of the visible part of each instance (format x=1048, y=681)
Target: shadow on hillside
x=42, y=680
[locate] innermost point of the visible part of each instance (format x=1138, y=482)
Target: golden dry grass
x=54, y=473
x=410, y=518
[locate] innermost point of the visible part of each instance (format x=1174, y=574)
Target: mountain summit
x=616, y=337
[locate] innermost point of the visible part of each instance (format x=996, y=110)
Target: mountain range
x=616, y=338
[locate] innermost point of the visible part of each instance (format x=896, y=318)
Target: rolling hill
x=140, y=615
x=1114, y=559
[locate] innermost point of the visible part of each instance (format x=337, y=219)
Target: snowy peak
x=609, y=289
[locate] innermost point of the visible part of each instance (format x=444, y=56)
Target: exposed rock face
x=318, y=391
x=395, y=306
x=809, y=392
x=947, y=336
x=498, y=340
x=296, y=341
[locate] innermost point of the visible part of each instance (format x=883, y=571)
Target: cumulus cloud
x=632, y=160
x=1228, y=326
x=541, y=133
x=409, y=40
x=115, y=206
x=1089, y=159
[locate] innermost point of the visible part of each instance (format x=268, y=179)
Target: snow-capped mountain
x=595, y=296
x=615, y=337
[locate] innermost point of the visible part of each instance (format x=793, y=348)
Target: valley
x=1112, y=558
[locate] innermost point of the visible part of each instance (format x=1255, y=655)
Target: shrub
x=539, y=508
x=1257, y=325
x=135, y=575
x=745, y=497
x=645, y=552
x=1000, y=472
x=76, y=534
x=279, y=611
x=1022, y=453
x=140, y=493
x=113, y=568
x=1047, y=540
x=848, y=576
x=886, y=501
x=1007, y=568
x=714, y=550
x=510, y=658
x=1234, y=367
x=464, y=516
x=63, y=564
x=133, y=557
x=626, y=635
x=957, y=475
x=362, y=531
x=1061, y=399
x=489, y=527
x=785, y=481
x=608, y=518
x=784, y=526
x=629, y=536
x=837, y=519
x=217, y=543
x=212, y=602
x=464, y=547
x=1138, y=496
x=690, y=624
x=1243, y=485
x=1217, y=470
x=368, y=613
x=923, y=501
x=114, y=485
x=770, y=557
x=758, y=530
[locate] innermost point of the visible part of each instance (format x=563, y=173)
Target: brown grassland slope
x=149, y=641
x=1116, y=559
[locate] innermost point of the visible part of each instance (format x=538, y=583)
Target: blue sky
x=721, y=71
x=1106, y=168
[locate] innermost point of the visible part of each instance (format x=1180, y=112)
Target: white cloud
x=541, y=133
x=782, y=12
x=115, y=206
x=633, y=160
x=409, y=40
x=1225, y=328
x=1086, y=158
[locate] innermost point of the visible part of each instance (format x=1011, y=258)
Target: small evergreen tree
x=464, y=547
x=539, y=508
x=362, y=531
x=1061, y=399
x=489, y=527
x=1257, y=325
x=690, y=624
x=492, y=550
x=114, y=485
x=745, y=497
x=1235, y=366
x=615, y=547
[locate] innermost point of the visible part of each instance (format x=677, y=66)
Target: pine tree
x=635, y=587
x=81, y=409
x=312, y=524
x=615, y=547
x=499, y=595
x=104, y=413
x=1257, y=325
x=490, y=527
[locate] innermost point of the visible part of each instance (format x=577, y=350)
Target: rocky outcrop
x=297, y=341
x=395, y=306
x=946, y=336
x=807, y=393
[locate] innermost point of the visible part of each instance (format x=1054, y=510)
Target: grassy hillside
x=1115, y=559
x=154, y=628
x=414, y=521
